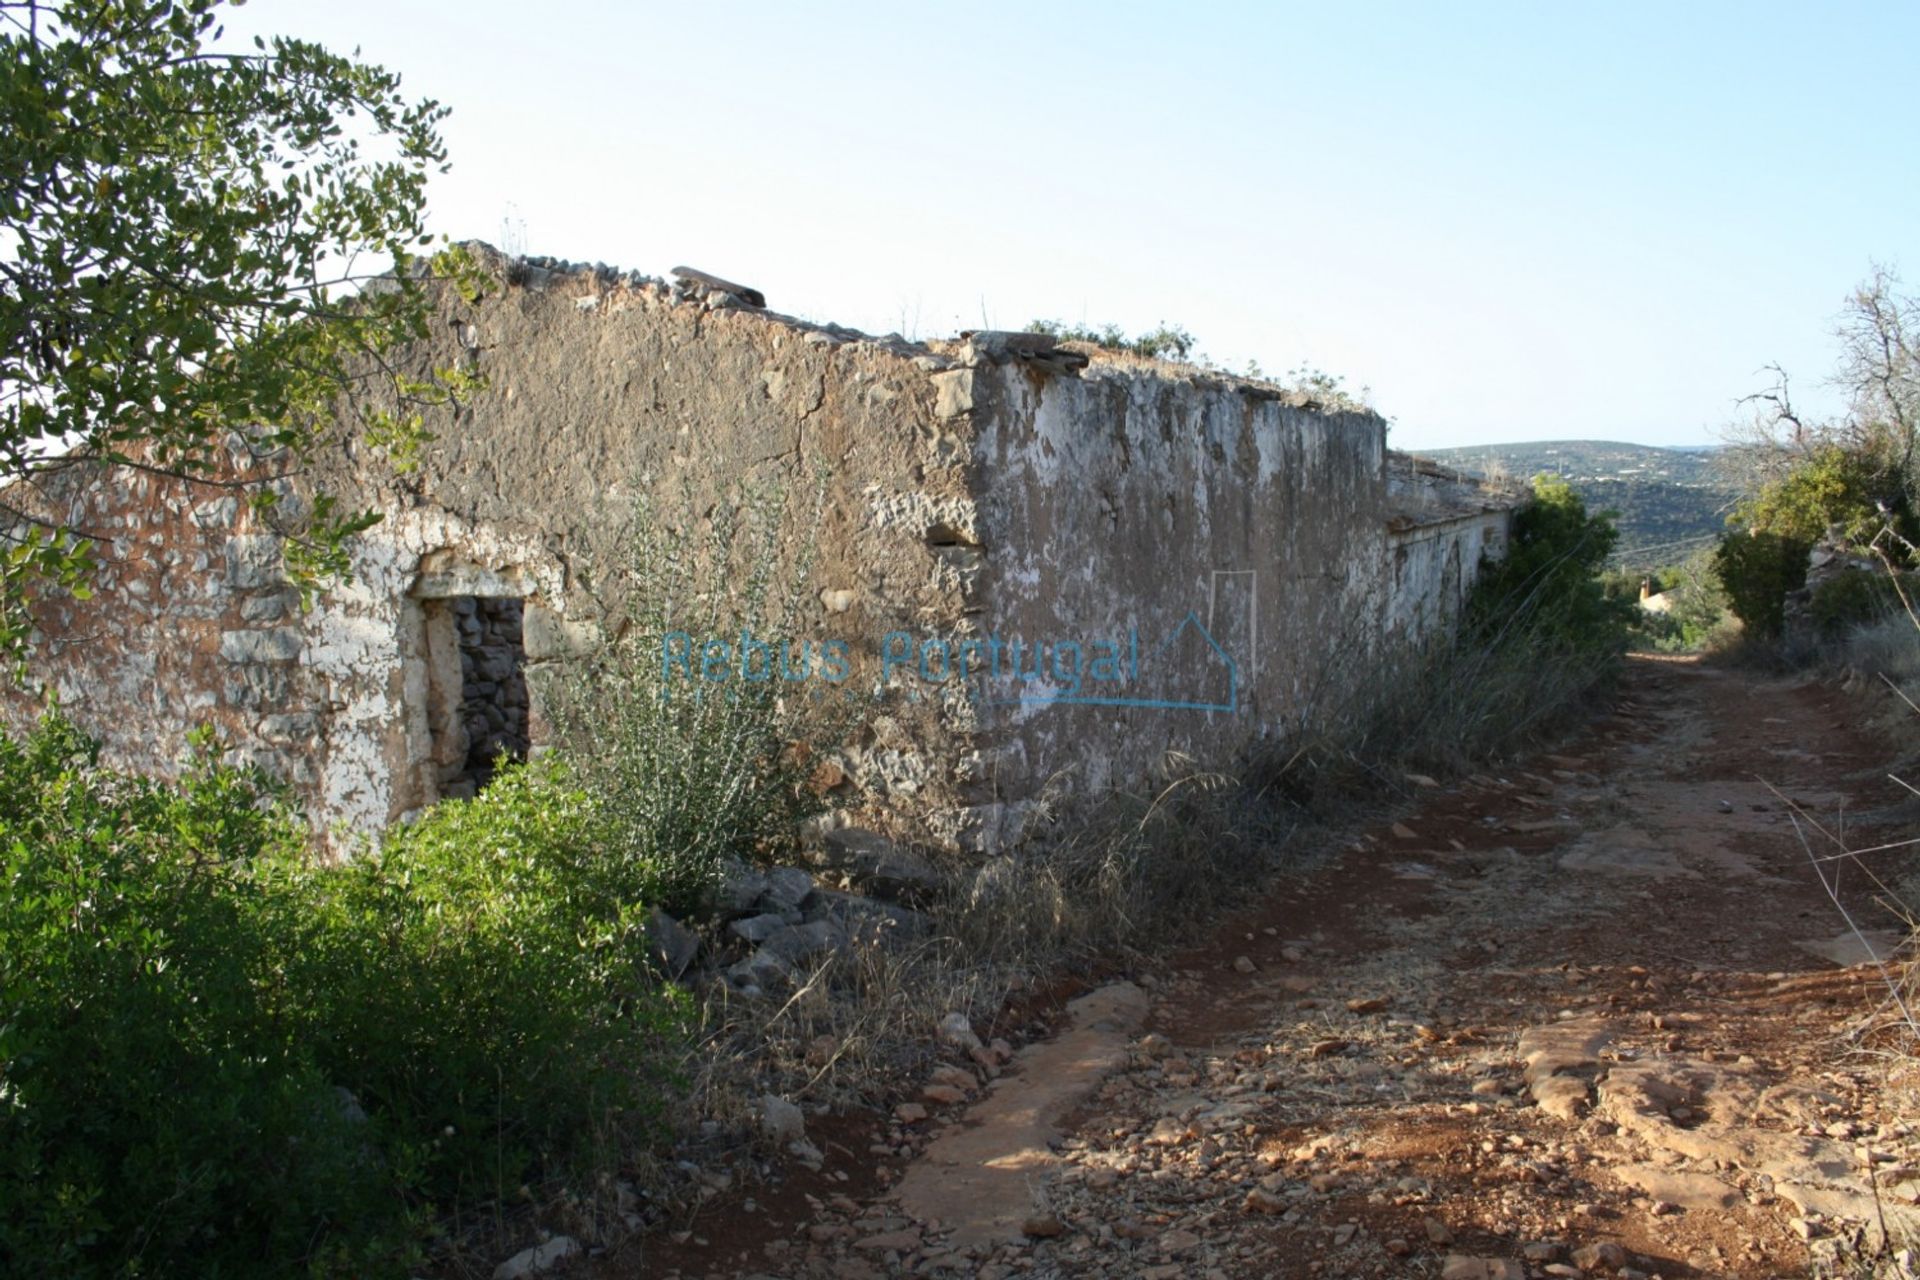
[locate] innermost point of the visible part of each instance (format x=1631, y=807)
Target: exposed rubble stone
x=538, y=1260
x=674, y=946
x=878, y=865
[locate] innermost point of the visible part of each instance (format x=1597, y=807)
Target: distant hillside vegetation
x=1671, y=502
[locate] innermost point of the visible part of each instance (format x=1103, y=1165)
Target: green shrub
x=1167, y=342
x=1759, y=568
x=687, y=784
x=160, y=1112
x=220, y=1058
x=1548, y=586
x=1855, y=490
x=482, y=986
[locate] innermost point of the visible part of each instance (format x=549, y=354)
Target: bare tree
x=1879, y=374
x=1880, y=382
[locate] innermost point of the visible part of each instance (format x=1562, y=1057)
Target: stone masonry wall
x=1221, y=538
x=1441, y=526
x=191, y=623
x=1226, y=537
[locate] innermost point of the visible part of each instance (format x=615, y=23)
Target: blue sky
x=1510, y=221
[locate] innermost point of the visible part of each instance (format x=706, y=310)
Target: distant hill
x=1671, y=501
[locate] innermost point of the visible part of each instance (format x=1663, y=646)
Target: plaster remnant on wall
x=954, y=393
x=920, y=512
x=549, y=635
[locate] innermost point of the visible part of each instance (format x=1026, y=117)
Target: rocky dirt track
x=1573, y=1018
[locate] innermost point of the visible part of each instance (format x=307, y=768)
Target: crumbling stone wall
x=1221, y=531
x=1264, y=551
x=191, y=623
x=1224, y=537
x=1441, y=525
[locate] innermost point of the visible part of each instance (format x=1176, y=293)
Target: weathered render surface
x=1215, y=540
x=1441, y=524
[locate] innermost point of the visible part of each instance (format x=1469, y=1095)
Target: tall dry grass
x=1875, y=890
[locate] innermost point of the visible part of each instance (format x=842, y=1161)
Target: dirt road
x=1569, y=1019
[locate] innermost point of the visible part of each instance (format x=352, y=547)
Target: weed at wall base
x=690, y=785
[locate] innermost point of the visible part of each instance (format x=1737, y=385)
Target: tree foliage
x=182, y=234
x=1879, y=369
x=1857, y=490
x=1845, y=468
x=1551, y=575
x=1856, y=475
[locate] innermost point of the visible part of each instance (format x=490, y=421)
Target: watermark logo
x=1183, y=669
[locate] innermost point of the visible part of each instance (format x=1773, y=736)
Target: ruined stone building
x=1040, y=565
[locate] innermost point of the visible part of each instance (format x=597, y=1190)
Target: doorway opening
x=476, y=689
